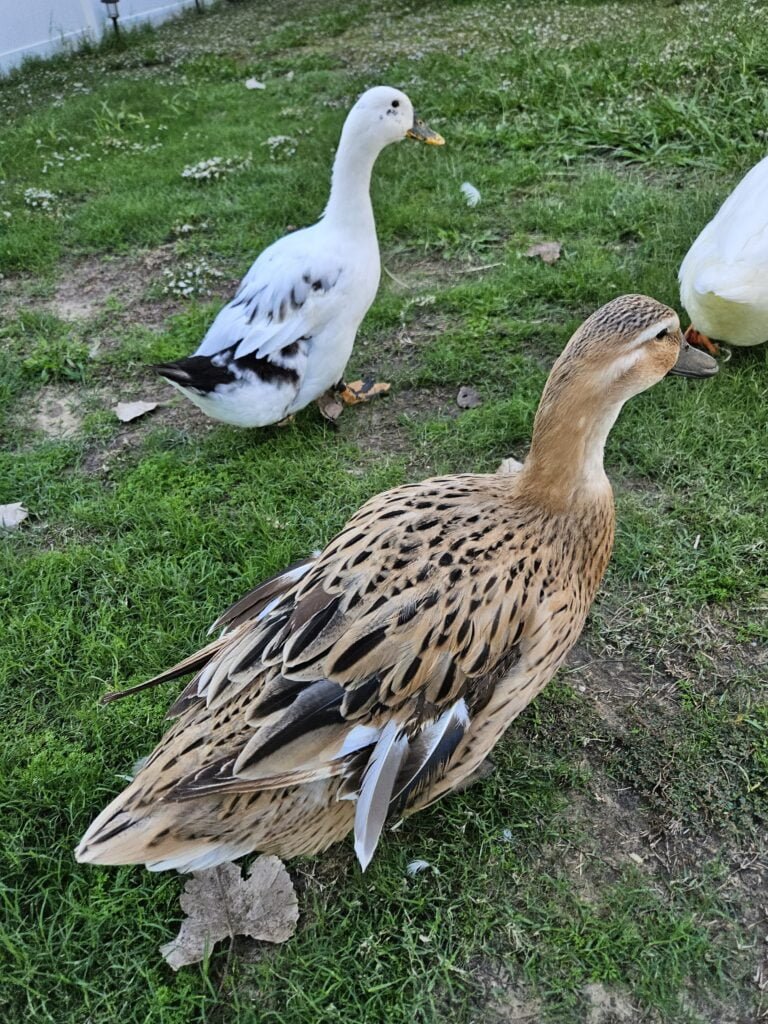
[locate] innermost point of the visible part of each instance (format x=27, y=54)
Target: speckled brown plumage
x=368, y=681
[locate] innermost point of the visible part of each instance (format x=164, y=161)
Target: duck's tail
x=198, y=372
x=167, y=836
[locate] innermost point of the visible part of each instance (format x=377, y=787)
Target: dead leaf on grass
x=220, y=903
x=356, y=391
x=330, y=406
x=12, y=515
x=127, y=411
x=468, y=398
x=548, y=252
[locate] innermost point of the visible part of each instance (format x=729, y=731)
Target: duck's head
x=383, y=115
x=625, y=347
x=628, y=345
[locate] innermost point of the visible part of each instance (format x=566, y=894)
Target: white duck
x=724, y=276
x=286, y=337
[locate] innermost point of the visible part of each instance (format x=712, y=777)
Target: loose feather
x=471, y=194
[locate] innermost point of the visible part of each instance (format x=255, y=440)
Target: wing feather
x=376, y=790
x=287, y=294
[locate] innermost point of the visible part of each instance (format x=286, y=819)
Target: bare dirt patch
x=86, y=289
x=609, y=1006
x=503, y=999
x=381, y=427
x=615, y=686
x=55, y=412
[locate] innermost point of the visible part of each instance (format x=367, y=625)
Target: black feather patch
x=318, y=705
x=357, y=698
x=427, y=755
x=359, y=649
x=270, y=630
x=311, y=629
x=202, y=374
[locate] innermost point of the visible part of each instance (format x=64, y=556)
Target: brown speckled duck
x=368, y=681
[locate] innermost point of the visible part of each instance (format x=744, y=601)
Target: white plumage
x=287, y=335
x=724, y=276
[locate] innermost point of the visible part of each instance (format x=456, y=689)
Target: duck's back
x=374, y=677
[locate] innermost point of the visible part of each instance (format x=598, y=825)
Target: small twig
x=475, y=270
x=397, y=280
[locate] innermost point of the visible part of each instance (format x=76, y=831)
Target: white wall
x=38, y=28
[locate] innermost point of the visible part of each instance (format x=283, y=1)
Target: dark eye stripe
x=663, y=333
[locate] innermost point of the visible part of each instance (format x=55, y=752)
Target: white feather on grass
x=470, y=193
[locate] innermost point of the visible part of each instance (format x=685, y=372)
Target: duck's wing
x=373, y=662
x=290, y=292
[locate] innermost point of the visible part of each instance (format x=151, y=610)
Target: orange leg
x=694, y=337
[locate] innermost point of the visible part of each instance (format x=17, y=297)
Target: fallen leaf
x=12, y=515
x=127, y=411
x=220, y=903
x=548, y=252
x=470, y=193
x=356, y=391
x=508, y=467
x=254, y=83
x=330, y=405
x=468, y=398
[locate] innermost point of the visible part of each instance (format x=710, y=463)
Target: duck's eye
x=663, y=333
x=395, y=103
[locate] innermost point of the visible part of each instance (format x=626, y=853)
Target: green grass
x=614, y=844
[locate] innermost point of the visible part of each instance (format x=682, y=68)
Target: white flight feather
x=376, y=790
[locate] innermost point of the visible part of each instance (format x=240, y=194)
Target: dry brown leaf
x=127, y=411
x=220, y=903
x=468, y=398
x=356, y=391
x=548, y=252
x=12, y=515
x=330, y=405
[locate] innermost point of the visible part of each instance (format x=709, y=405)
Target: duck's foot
x=286, y=421
x=357, y=391
x=483, y=770
x=699, y=340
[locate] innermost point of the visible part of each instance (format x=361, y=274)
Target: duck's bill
x=423, y=133
x=692, y=362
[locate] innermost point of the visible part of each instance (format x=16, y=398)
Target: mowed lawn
x=612, y=868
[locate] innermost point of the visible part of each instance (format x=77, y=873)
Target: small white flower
x=280, y=146
x=215, y=167
x=40, y=199
x=190, y=279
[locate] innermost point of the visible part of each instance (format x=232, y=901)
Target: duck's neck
x=565, y=464
x=349, y=204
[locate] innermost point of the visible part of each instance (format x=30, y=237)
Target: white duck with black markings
x=286, y=337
